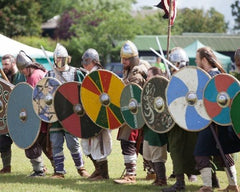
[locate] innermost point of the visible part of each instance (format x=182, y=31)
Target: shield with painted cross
x=131, y=108
x=184, y=95
x=43, y=99
x=218, y=95
x=70, y=112
x=100, y=95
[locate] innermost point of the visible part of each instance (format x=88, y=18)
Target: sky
x=222, y=6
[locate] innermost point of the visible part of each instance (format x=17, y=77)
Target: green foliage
x=55, y=7
x=196, y=20
x=187, y=20
x=20, y=18
x=216, y=22
x=152, y=24
x=101, y=24
x=34, y=41
x=236, y=13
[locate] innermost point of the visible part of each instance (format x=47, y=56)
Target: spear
x=169, y=28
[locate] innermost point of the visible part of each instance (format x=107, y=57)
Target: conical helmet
x=23, y=60
x=61, y=52
x=128, y=50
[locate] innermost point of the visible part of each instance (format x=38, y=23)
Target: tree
x=151, y=23
x=216, y=23
x=187, y=20
x=20, y=18
x=55, y=7
x=68, y=18
x=197, y=20
x=51, y=8
x=101, y=24
x=236, y=13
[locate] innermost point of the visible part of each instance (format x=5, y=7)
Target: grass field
x=18, y=181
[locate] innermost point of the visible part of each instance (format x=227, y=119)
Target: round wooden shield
x=218, y=95
x=43, y=99
x=70, y=112
x=235, y=114
x=184, y=95
x=23, y=123
x=100, y=95
x=5, y=89
x=130, y=102
x=154, y=106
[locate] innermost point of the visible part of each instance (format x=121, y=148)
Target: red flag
x=165, y=5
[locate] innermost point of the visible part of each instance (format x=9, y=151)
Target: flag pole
x=169, y=28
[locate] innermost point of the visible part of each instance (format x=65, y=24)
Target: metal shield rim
x=39, y=124
x=145, y=84
x=84, y=104
x=54, y=99
x=57, y=114
x=233, y=124
x=4, y=112
x=42, y=119
x=212, y=79
x=140, y=112
x=173, y=116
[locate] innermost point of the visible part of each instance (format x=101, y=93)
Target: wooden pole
x=4, y=75
x=219, y=147
x=169, y=29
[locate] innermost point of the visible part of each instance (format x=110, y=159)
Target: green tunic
x=181, y=146
x=17, y=78
x=153, y=138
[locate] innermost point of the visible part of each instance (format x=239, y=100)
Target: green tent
x=192, y=49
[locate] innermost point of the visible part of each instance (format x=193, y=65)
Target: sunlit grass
x=18, y=181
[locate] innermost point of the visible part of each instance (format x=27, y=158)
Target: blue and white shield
x=184, y=95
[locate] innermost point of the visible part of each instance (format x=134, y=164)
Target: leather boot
x=57, y=176
x=148, y=166
x=6, y=169
x=178, y=186
x=83, y=172
x=96, y=171
x=233, y=188
x=151, y=176
x=160, y=170
x=205, y=189
x=130, y=176
x=127, y=179
x=6, y=161
x=102, y=168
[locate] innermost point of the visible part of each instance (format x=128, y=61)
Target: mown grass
x=18, y=181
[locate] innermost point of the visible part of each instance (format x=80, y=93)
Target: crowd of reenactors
x=154, y=112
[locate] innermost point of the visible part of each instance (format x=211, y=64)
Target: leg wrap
x=78, y=161
x=59, y=163
x=6, y=158
x=37, y=163
x=206, y=174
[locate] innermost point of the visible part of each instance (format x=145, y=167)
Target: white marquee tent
x=10, y=46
